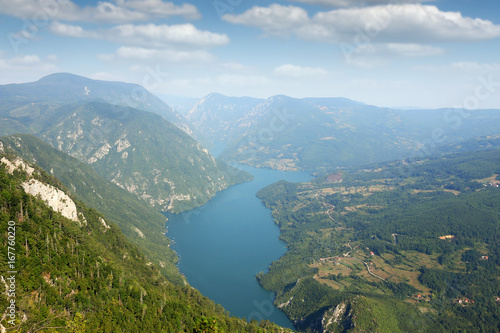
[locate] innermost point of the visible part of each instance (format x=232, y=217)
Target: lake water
x=225, y=243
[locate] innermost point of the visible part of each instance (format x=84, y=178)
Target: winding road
x=328, y=212
x=369, y=271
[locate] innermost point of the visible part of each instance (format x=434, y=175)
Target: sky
x=398, y=53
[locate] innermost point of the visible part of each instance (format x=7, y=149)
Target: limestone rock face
x=18, y=163
x=55, y=198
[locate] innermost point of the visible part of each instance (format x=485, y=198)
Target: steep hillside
x=326, y=133
x=475, y=144
x=224, y=119
x=67, y=269
x=137, y=150
x=142, y=225
x=142, y=153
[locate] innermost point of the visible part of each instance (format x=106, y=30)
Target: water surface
x=225, y=243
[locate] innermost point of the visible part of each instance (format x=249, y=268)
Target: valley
x=318, y=215
x=230, y=166
x=225, y=243
x=84, y=275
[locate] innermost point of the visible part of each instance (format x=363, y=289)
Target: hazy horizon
x=421, y=53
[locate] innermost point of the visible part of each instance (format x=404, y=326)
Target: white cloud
x=404, y=24
x=161, y=9
x=411, y=50
x=171, y=56
x=159, y=35
x=29, y=8
x=352, y=3
x=274, y=19
x=182, y=43
x=149, y=35
x=25, y=61
x=69, y=30
x=407, y=23
x=123, y=11
x=24, y=68
x=377, y=55
x=107, y=12
x=295, y=71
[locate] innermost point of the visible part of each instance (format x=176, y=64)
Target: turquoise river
x=225, y=243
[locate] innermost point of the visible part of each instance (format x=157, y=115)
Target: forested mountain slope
x=142, y=225
x=224, y=119
x=137, y=150
x=67, y=269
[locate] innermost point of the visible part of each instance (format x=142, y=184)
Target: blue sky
x=424, y=53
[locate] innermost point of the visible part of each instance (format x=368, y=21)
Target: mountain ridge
x=283, y=132
x=117, y=140
x=70, y=88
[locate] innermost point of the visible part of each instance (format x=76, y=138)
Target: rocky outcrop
x=53, y=197
x=139, y=232
x=104, y=224
x=18, y=163
x=337, y=319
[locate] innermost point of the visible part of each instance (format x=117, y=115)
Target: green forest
x=420, y=247
x=86, y=277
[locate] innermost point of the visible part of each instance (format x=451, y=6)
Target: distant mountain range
x=114, y=127
x=318, y=134
x=137, y=150
x=180, y=104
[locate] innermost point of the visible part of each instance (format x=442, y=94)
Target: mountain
x=321, y=134
x=67, y=268
x=139, y=222
x=137, y=150
x=64, y=88
x=180, y=104
x=223, y=119
x=475, y=144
